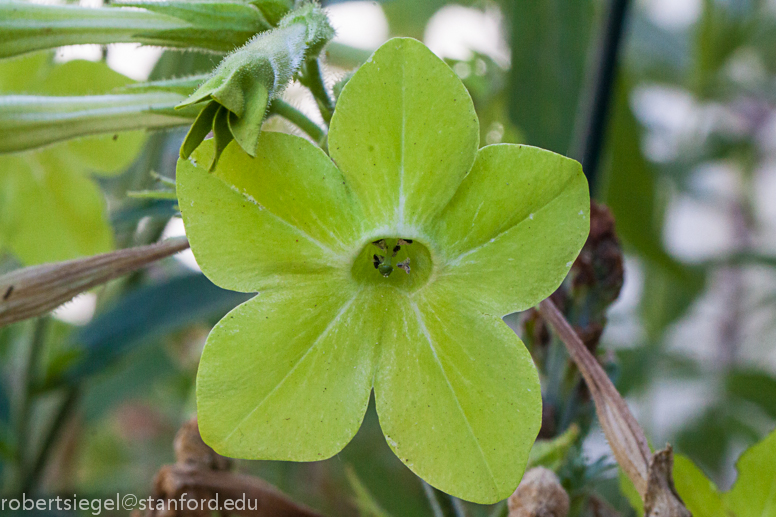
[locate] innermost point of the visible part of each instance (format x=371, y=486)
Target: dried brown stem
x=33, y=291
x=262, y=499
x=625, y=436
x=201, y=475
x=652, y=475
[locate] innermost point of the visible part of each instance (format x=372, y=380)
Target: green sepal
x=221, y=133
x=199, y=129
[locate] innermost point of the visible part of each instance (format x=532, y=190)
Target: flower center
x=393, y=261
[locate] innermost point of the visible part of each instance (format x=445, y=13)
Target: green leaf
x=754, y=492
x=404, y=134
x=631, y=494
x=219, y=26
x=552, y=453
x=273, y=10
x=752, y=495
x=362, y=284
x=49, y=209
x=240, y=89
x=754, y=386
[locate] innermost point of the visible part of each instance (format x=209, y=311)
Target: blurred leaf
x=754, y=492
x=345, y=56
x=707, y=438
x=755, y=386
x=365, y=502
x=631, y=494
x=409, y=17
x=670, y=290
x=640, y=365
x=144, y=314
x=49, y=208
x=550, y=42
x=698, y=491
x=175, y=63
x=721, y=30
x=552, y=453
x=632, y=191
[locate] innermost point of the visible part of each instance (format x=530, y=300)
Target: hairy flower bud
x=241, y=87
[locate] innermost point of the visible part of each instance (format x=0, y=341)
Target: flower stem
x=299, y=119
x=442, y=504
x=313, y=79
x=624, y=434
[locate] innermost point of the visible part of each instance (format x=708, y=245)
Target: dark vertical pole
x=595, y=116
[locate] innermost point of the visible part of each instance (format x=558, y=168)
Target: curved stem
x=299, y=119
x=313, y=79
x=624, y=434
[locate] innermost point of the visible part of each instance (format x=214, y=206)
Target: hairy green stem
x=299, y=119
x=313, y=79
x=215, y=26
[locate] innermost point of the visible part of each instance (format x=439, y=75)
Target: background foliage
x=689, y=173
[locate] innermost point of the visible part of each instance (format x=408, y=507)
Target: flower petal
x=514, y=227
x=457, y=395
x=404, y=134
x=254, y=221
x=287, y=375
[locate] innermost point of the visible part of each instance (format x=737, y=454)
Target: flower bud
x=241, y=87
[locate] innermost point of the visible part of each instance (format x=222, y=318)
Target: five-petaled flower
x=386, y=267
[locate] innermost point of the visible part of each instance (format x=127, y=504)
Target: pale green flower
x=385, y=267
